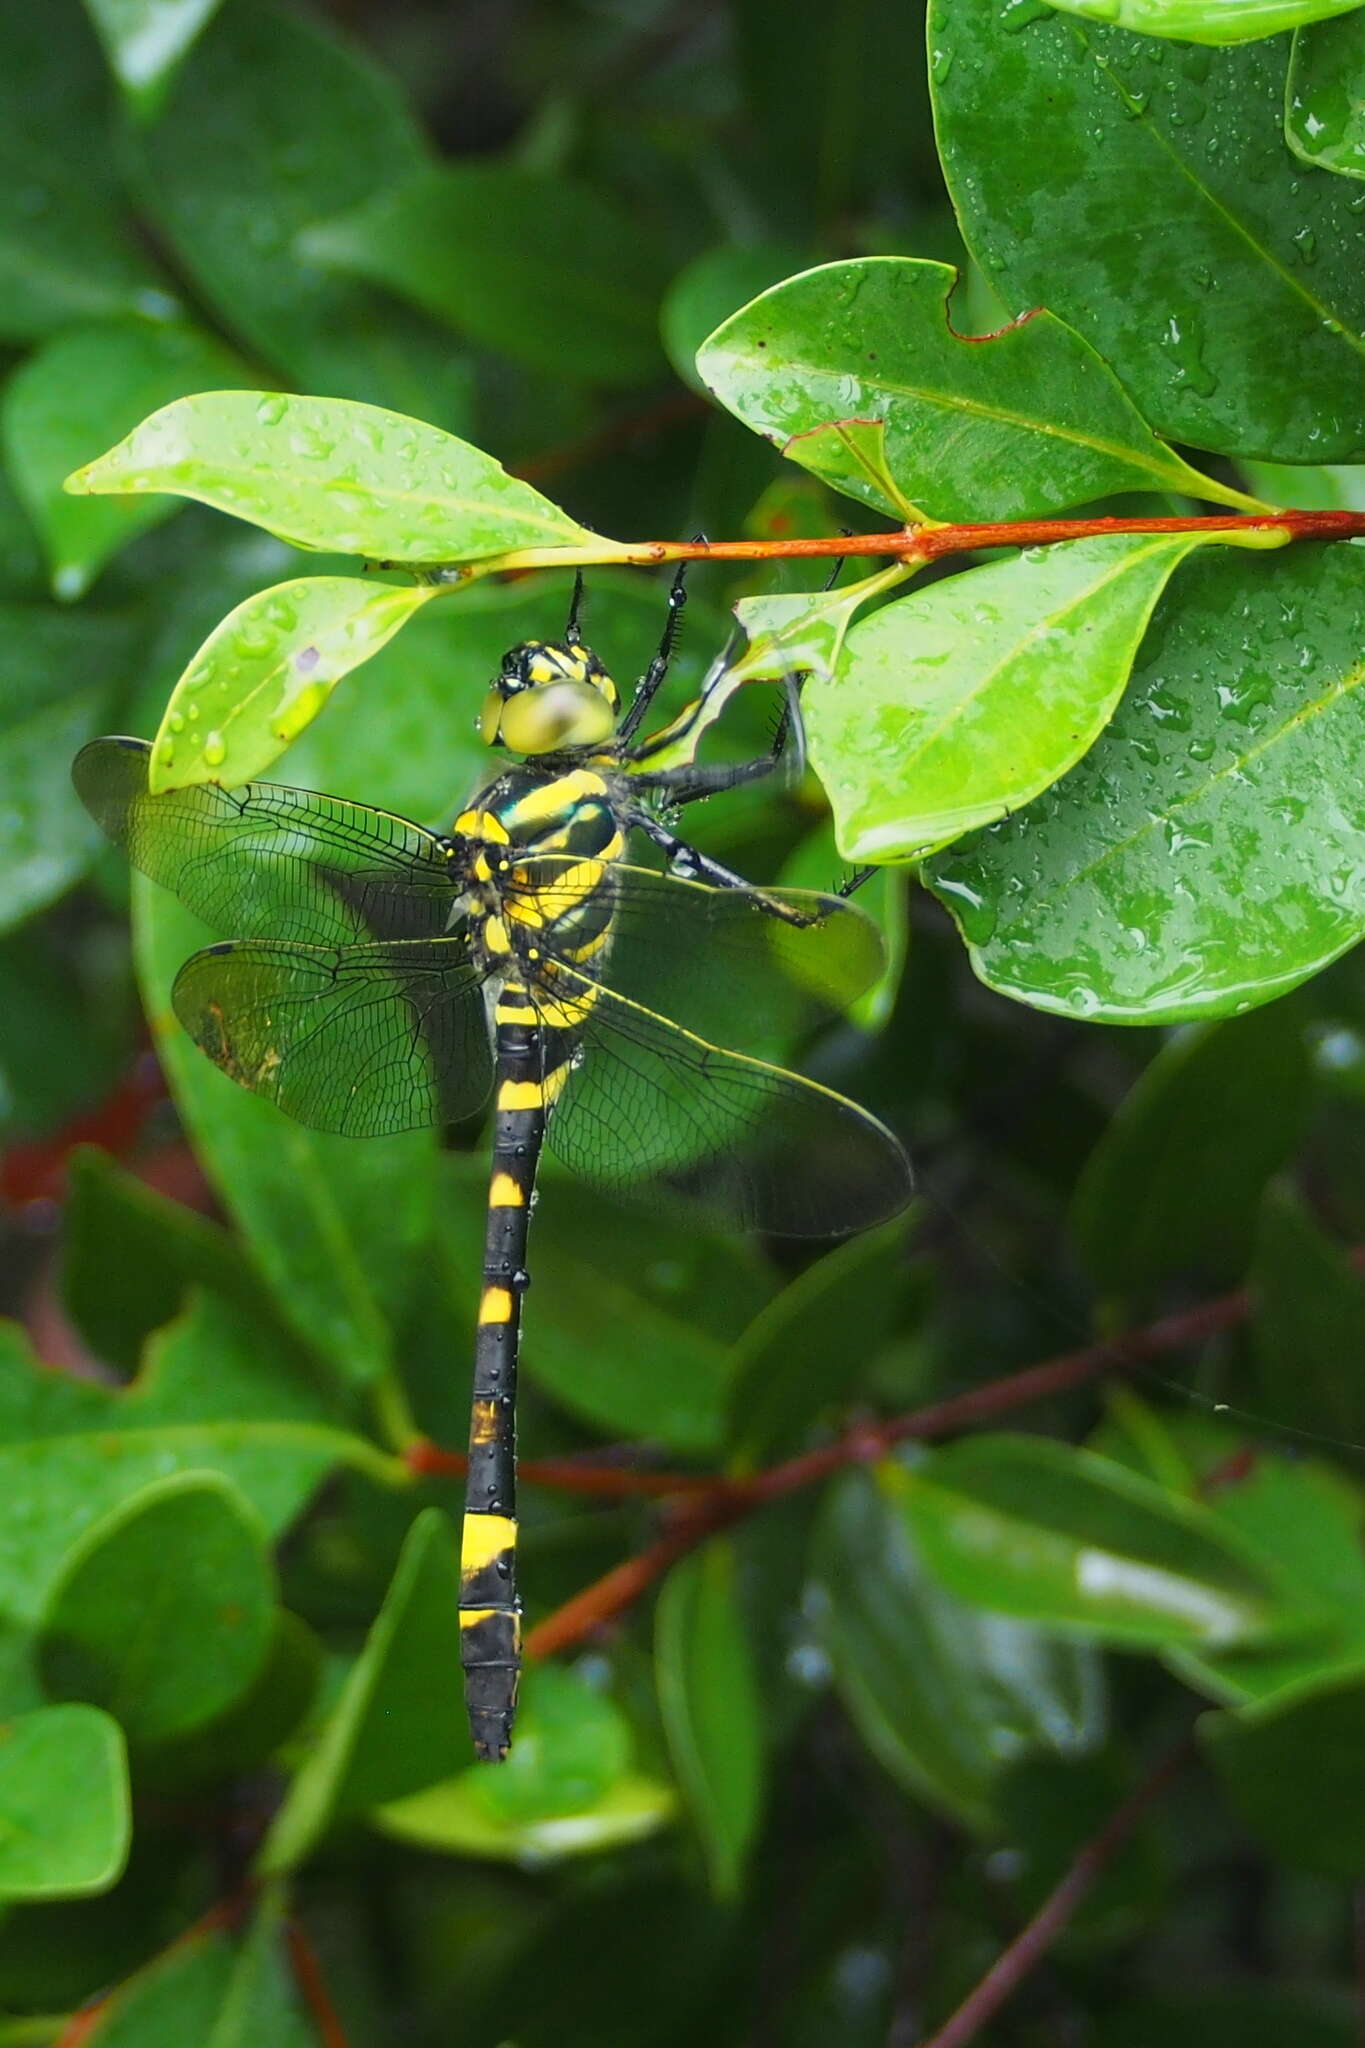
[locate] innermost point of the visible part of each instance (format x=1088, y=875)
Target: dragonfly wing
x=267, y=859
x=363, y=1040
x=718, y=962
x=654, y=1109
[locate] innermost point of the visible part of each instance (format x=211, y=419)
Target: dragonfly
x=376, y=977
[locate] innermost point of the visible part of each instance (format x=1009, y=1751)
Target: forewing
x=363, y=1040
x=265, y=859
x=653, y=1110
x=717, y=961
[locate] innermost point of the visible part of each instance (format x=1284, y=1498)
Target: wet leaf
x=1294, y=1769
x=328, y=473
x=1075, y=1543
x=1320, y=487
x=335, y=1227
x=960, y=702
x=265, y=673
x=1324, y=120
x=1203, y=857
x=712, y=287
x=946, y=1697
x=147, y=39
x=163, y=1611
x=83, y=390
x=309, y=126
x=59, y=680
x=709, y=1701
x=1175, y=1183
x=1002, y=427
x=1235, y=241
x=567, y=1788
x=65, y=1820
x=488, y=247
x=399, y=1723
x=1207, y=21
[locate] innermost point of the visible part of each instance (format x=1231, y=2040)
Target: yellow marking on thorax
x=503, y=1193
x=539, y=806
x=590, y=947
x=563, y=1012
x=480, y=824
x=520, y=1095
x=493, y=934
x=496, y=1305
x=516, y=1012
x=483, y=1539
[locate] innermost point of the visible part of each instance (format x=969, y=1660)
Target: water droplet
x=176, y=721
x=272, y=409
x=215, y=749
x=1306, y=242
x=940, y=64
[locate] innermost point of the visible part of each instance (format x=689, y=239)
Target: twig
x=312, y=1987
x=1028, y=1948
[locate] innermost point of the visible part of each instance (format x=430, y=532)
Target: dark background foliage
x=807, y=1790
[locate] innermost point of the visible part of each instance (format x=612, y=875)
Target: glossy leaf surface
x=710, y=1706
x=488, y=247
x=330, y=473
x=945, y=1697
x=1324, y=119
x=1006, y=426
x=1028, y=1527
x=399, y=1723
x=1099, y=116
x=961, y=701
x=1207, y=21
x=83, y=390
x=65, y=1820
x=1203, y=857
x=146, y=39
x=163, y=1612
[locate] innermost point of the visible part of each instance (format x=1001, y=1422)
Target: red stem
x=312, y=1987
x=1028, y=1948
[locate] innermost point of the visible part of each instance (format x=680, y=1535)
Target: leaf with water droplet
x=1215, y=22
x=333, y=474
x=1260, y=886
x=268, y=669
x=1324, y=120
x=1125, y=193
x=1005, y=426
x=961, y=701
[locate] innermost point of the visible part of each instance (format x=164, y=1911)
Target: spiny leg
x=652, y=679
x=573, y=634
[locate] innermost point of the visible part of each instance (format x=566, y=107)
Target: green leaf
x=163, y=1611
x=945, y=1697
x=1294, y=1769
x=266, y=672
x=1207, y=21
x=1006, y=426
x=1075, y=1543
x=1175, y=1183
x=176, y=1998
x=247, y=1734
x=546, y=271
x=1113, y=896
x=308, y=125
x=332, y=474
x=712, y=287
x=66, y=252
x=803, y=1353
x=959, y=703
x=65, y=1820
x=1325, y=487
x=336, y=1228
x=262, y=2003
x=1235, y=242
x=1324, y=120
x=709, y=1701
x=212, y=1398
x=146, y=40
x=399, y=1724
x=60, y=676
x=1308, y=1327
x=567, y=1789
x=83, y=390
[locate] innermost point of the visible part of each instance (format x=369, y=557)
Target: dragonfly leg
x=652, y=679
x=855, y=880
x=689, y=864
x=689, y=784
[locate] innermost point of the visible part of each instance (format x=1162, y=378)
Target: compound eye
x=564, y=714
x=490, y=719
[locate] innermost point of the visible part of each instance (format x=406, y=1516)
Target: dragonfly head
x=548, y=696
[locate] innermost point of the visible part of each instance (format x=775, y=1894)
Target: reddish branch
x=1027, y=1950
x=707, y=1505
x=927, y=543
x=312, y=1987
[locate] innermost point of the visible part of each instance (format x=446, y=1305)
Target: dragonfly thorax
x=549, y=697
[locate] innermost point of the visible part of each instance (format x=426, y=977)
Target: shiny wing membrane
x=654, y=1109
x=363, y=1040
x=266, y=860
